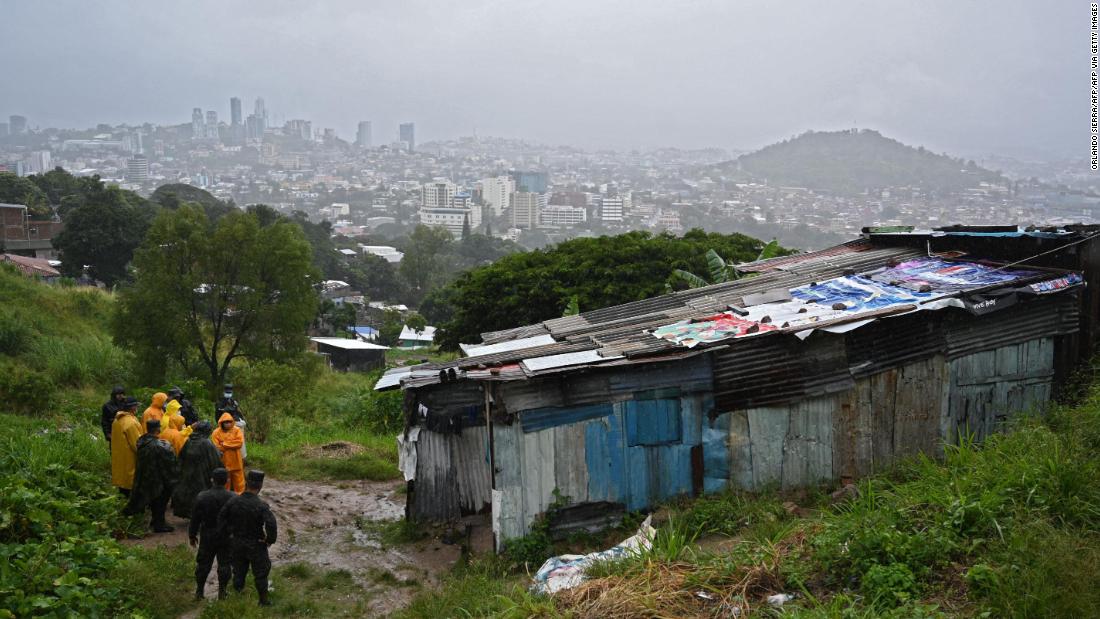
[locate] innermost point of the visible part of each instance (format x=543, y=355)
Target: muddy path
x=327, y=525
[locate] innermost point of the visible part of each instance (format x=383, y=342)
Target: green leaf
x=691, y=279
x=719, y=270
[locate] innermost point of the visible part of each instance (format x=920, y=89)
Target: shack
x=823, y=366
x=349, y=355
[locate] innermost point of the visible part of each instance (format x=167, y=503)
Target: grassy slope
x=1007, y=528
x=58, y=513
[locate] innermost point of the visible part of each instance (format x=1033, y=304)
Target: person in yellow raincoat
x=174, y=432
x=229, y=439
x=155, y=411
x=125, y=431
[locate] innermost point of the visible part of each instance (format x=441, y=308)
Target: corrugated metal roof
x=622, y=330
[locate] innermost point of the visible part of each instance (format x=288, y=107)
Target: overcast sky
x=968, y=77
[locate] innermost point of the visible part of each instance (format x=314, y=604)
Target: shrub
x=23, y=390
x=890, y=584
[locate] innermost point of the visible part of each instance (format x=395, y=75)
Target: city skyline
x=981, y=77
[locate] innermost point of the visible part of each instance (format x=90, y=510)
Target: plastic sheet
x=567, y=571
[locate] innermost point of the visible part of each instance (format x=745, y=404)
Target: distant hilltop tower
x=406, y=133
x=362, y=135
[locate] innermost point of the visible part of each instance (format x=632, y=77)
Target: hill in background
x=854, y=161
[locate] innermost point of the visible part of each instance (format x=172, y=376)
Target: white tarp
x=406, y=452
x=567, y=571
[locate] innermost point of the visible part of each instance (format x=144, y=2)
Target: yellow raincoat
x=230, y=444
x=155, y=411
x=125, y=430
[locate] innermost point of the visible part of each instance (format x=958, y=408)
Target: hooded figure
x=174, y=432
x=198, y=459
x=156, y=474
x=186, y=410
x=229, y=439
x=110, y=410
x=155, y=410
x=125, y=431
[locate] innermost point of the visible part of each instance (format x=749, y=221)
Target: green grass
x=1002, y=529
x=300, y=590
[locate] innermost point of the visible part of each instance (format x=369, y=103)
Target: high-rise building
x=3, y=130
x=611, y=209
x=235, y=118
x=212, y=124
x=496, y=193
x=137, y=169
x=297, y=128
x=38, y=162
x=261, y=109
x=198, y=126
x=534, y=182
x=439, y=193
x=254, y=127
x=17, y=125
x=362, y=135
x=406, y=133
x=562, y=215
x=525, y=209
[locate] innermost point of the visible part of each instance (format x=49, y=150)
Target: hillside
x=851, y=162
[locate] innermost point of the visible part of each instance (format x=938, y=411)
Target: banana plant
x=721, y=270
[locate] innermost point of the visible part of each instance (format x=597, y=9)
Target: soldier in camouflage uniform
x=250, y=528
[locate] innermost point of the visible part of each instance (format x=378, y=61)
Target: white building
x=525, y=209
x=562, y=215
x=451, y=218
x=439, y=193
x=497, y=191
x=611, y=209
x=38, y=162
x=137, y=169
x=382, y=251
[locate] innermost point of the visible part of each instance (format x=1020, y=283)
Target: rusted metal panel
x=853, y=448
x=470, y=457
x=435, y=495
x=740, y=450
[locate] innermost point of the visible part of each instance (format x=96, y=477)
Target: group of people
x=168, y=455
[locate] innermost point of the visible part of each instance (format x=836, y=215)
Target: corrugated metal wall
x=886, y=416
x=625, y=456
x=452, y=474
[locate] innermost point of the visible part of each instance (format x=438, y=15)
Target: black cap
x=175, y=391
x=229, y=386
x=130, y=402
x=219, y=476
x=254, y=478
x=203, y=427
x=118, y=389
x=152, y=424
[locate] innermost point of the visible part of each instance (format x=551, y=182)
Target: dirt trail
x=317, y=525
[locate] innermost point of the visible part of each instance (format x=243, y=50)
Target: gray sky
x=962, y=76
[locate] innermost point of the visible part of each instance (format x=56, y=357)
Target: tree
x=416, y=322
x=210, y=293
x=391, y=328
x=465, y=227
x=722, y=271
x=101, y=235
x=18, y=190
x=422, y=265
x=529, y=287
